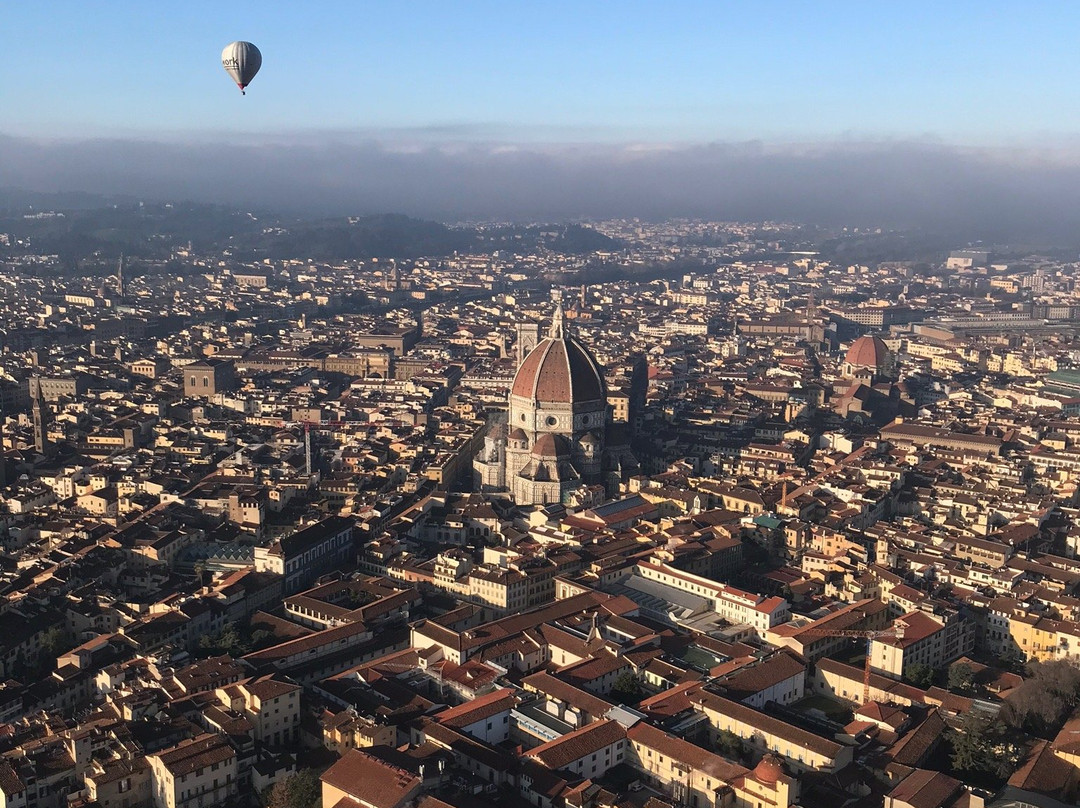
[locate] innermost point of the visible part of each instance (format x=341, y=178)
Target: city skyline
x=545, y=406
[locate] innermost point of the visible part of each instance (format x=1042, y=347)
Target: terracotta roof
x=209, y=673
x=1045, y=773
x=326, y=637
x=918, y=743
x=472, y=673
x=478, y=709
x=9, y=781
x=575, y=745
x=917, y=626
x=670, y=702
x=1068, y=738
x=567, y=693
x=867, y=351
x=465, y=745
x=769, y=770
x=550, y=445
x=560, y=371
x=593, y=668
x=926, y=789
x=512, y=625
x=198, y=753
x=268, y=687
x=368, y=779
x=702, y=760
x=752, y=679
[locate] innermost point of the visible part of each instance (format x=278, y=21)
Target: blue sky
x=964, y=72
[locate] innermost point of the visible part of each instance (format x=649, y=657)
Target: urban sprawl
x=483, y=530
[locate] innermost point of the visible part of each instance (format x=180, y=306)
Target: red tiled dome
x=769, y=770
x=560, y=371
x=550, y=446
x=867, y=352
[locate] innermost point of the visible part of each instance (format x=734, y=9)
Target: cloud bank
x=998, y=194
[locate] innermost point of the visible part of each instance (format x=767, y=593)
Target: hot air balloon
x=242, y=61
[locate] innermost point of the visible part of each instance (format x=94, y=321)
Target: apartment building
x=196, y=773
x=930, y=640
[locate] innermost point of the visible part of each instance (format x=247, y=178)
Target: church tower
x=528, y=334
x=42, y=418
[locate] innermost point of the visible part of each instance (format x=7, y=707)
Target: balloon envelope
x=242, y=61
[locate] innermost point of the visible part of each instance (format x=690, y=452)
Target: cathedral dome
x=867, y=352
x=560, y=370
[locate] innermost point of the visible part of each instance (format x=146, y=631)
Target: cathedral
x=556, y=439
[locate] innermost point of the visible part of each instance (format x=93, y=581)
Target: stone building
x=209, y=377
x=555, y=440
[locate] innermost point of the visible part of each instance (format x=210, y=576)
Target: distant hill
x=18, y=200
x=93, y=226
x=387, y=235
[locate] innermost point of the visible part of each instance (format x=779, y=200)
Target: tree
x=54, y=641
x=1012, y=660
x=922, y=676
x=627, y=689
x=730, y=745
x=986, y=746
x=261, y=638
x=232, y=640
x=961, y=677
x=300, y=790
x=1045, y=698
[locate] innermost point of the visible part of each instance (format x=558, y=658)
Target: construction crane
x=895, y=632
x=308, y=425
